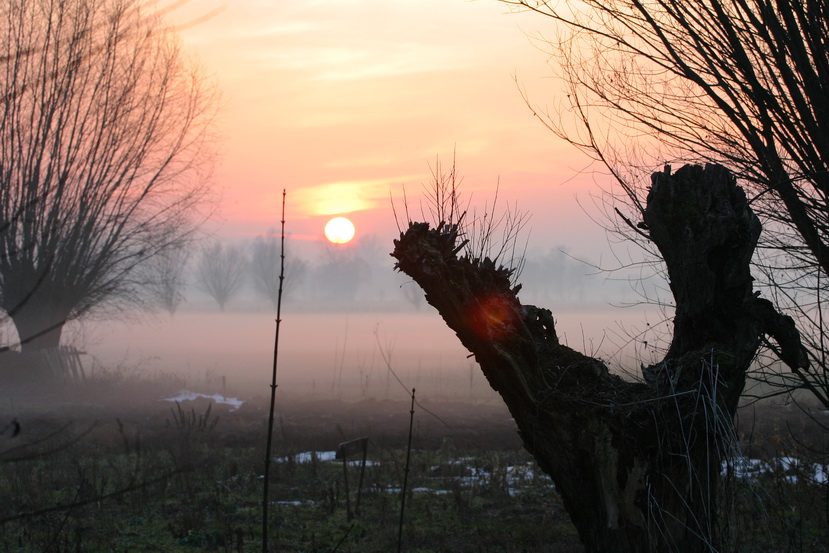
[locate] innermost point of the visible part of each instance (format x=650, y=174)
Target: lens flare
x=492, y=317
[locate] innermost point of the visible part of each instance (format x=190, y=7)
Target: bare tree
x=742, y=83
x=265, y=266
x=337, y=278
x=637, y=463
x=221, y=271
x=104, y=154
x=164, y=277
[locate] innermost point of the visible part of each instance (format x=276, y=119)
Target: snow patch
x=187, y=395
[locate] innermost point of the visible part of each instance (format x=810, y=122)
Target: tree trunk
x=37, y=328
x=636, y=463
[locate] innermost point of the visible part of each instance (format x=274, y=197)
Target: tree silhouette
x=734, y=82
x=265, y=265
x=221, y=271
x=637, y=463
x=164, y=277
x=104, y=133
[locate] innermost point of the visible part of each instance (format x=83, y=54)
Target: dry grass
x=95, y=471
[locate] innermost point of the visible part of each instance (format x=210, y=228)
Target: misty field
x=109, y=465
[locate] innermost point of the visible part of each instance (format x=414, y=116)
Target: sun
x=339, y=230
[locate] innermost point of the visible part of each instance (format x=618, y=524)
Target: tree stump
x=636, y=463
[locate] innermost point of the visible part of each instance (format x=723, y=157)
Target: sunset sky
x=344, y=102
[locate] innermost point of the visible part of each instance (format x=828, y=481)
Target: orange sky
x=343, y=101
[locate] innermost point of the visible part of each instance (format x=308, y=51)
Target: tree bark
x=636, y=463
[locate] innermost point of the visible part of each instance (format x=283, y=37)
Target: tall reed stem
x=405, y=476
x=268, y=461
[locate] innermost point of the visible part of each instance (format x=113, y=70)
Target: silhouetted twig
x=405, y=476
x=273, y=387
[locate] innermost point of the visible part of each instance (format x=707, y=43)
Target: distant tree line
x=224, y=270
x=338, y=278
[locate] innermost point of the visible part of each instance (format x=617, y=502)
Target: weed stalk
x=405, y=476
x=266, y=482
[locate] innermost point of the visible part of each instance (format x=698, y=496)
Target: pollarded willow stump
x=636, y=463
